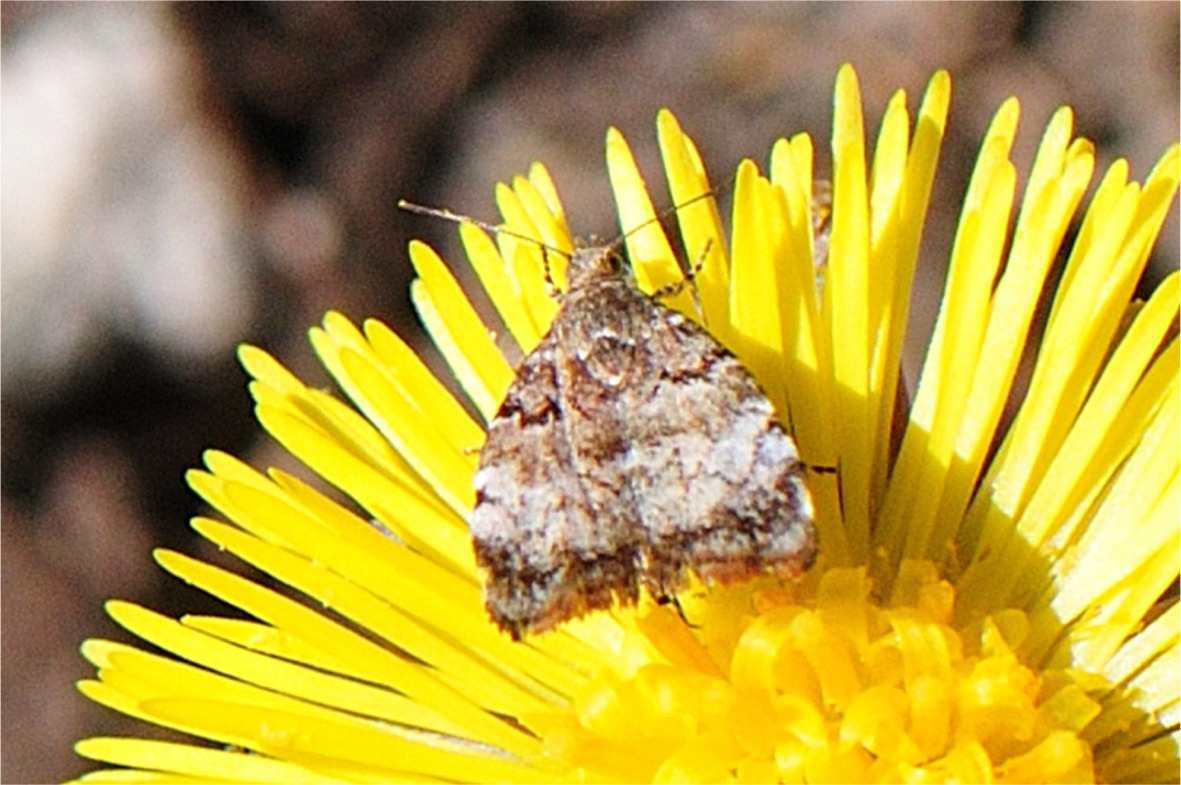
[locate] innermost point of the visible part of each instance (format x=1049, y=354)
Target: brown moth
x=630, y=448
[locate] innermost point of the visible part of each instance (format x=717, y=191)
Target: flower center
x=819, y=683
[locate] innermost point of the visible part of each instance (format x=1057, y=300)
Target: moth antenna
x=660, y=216
x=447, y=215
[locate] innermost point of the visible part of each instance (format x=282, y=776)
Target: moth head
x=591, y=264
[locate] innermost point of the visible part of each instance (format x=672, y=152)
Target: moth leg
x=690, y=279
x=675, y=601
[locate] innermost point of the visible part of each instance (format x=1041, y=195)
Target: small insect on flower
x=631, y=448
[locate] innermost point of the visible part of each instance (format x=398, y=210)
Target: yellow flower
x=991, y=601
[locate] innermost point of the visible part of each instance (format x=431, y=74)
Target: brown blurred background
x=179, y=179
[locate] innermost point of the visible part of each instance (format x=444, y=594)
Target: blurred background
x=178, y=179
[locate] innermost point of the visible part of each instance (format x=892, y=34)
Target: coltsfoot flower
x=991, y=600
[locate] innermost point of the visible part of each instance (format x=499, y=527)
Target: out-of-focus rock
x=123, y=208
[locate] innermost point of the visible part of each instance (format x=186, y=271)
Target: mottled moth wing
x=630, y=447
x=554, y=535
x=718, y=482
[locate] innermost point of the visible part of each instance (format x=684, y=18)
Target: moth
x=630, y=448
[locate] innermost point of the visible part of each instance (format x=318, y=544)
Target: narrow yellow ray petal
x=1076, y=344
x=918, y=177
x=885, y=209
x=230, y=467
x=539, y=176
x=386, y=350
x=700, y=222
x=98, y=651
x=444, y=465
x=400, y=575
x=1163, y=633
x=974, y=267
x=993, y=155
x=754, y=306
x=260, y=512
x=292, y=687
x=1120, y=612
x=1091, y=432
x=351, y=433
x=924, y=455
x=268, y=370
x=315, y=741
x=501, y=285
x=984, y=583
x=886, y=176
x=414, y=518
x=1129, y=524
x=338, y=520
x=129, y=776
x=326, y=516
x=1045, y=216
x=132, y=677
x=808, y=366
x=266, y=640
x=1054, y=155
x=554, y=232
x=327, y=413
x=1101, y=234
x=306, y=420
x=652, y=259
x=457, y=331
x=1154, y=689
x=846, y=279
x=269, y=640
x=201, y=761
x=450, y=655
x=803, y=208
x=380, y=665
x=111, y=698
x=1120, y=249
x=1084, y=318
x=533, y=267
